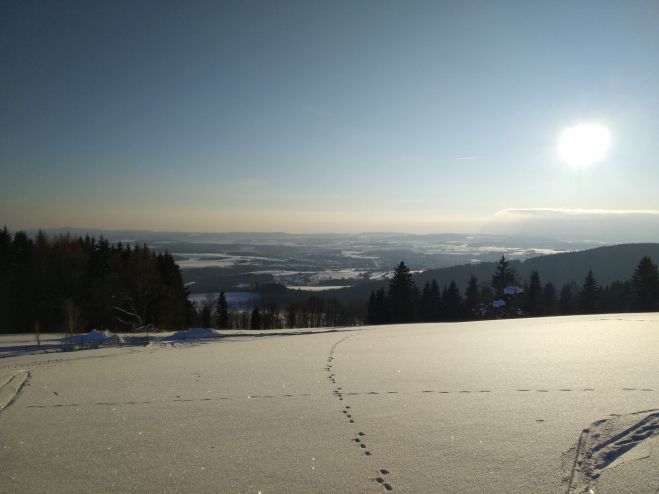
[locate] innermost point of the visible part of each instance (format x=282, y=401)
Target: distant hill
x=609, y=264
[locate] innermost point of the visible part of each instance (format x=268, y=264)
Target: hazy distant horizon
x=349, y=117
x=596, y=226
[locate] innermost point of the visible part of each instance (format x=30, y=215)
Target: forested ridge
x=507, y=294
x=71, y=284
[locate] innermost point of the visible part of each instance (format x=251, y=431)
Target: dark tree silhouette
x=590, y=294
x=534, y=299
x=430, y=303
x=617, y=297
x=255, y=320
x=472, y=298
x=566, y=302
x=205, y=315
x=222, y=312
x=292, y=315
x=403, y=295
x=549, y=299
x=452, y=303
x=113, y=286
x=503, y=276
x=378, y=308
x=645, y=286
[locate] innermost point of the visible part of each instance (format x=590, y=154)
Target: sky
x=328, y=116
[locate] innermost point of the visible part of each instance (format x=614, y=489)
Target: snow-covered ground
x=550, y=405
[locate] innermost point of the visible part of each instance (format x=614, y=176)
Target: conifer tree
x=565, y=302
x=255, y=320
x=222, y=312
x=534, y=297
x=370, y=311
x=383, y=313
x=436, y=301
x=503, y=276
x=549, y=299
x=590, y=294
x=452, y=301
x=426, y=304
x=645, y=286
x=403, y=295
x=472, y=298
x=378, y=309
x=205, y=316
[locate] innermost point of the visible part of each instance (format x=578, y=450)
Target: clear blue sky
x=323, y=116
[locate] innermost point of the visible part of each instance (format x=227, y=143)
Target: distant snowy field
x=549, y=405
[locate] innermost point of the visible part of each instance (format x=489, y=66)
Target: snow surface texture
x=479, y=407
x=608, y=443
x=11, y=386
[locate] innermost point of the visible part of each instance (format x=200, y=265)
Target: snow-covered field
x=549, y=405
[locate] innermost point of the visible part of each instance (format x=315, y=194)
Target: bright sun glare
x=583, y=144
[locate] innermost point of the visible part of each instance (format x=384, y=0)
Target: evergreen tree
x=222, y=312
x=645, y=286
x=371, y=315
x=549, y=299
x=255, y=320
x=425, y=303
x=205, y=316
x=5, y=280
x=566, y=302
x=534, y=296
x=452, y=301
x=503, y=276
x=590, y=295
x=403, y=295
x=436, y=301
x=382, y=307
x=617, y=297
x=378, y=308
x=472, y=298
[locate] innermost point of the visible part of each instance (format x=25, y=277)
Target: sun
x=583, y=144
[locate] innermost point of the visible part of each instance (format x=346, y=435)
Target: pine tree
x=378, y=310
x=590, y=294
x=436, y=301
x=452, y=303
x=426, y=304
x=403, y=295
x=503, y=276
x=472, y=298
x=205, y=316
x=222, y=312
x=371, y=316
x=549, y=299
x=5, y=280
x=565, y=302
x=255, y=320
x=617, y=297
x=645, y=286
x=382, y=311
x=534, y=297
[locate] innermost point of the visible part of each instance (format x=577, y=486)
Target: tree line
x=505, y=295
x=72, y=284
x=315, y=312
